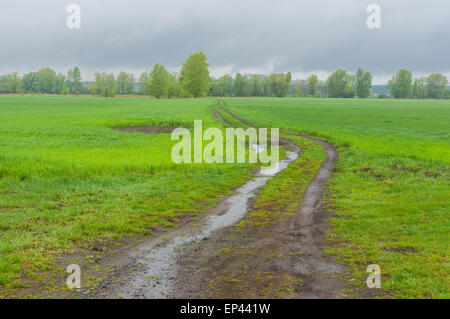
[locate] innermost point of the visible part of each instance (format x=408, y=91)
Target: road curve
x=322, y=277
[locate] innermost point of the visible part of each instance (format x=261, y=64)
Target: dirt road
x=214, y=259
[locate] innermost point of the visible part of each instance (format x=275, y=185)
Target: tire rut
x=321, y=276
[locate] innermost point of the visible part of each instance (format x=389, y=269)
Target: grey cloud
x=283, y=35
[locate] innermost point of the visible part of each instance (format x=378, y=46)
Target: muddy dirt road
x=319, y=273
x=285, y=260
x=152, y=269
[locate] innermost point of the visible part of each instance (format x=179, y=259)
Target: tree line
x=194, y=81
x=340, y=84
x=434, y=86
x=43, y=81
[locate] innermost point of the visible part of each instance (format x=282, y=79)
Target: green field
x=68, y=180
x=391, y=190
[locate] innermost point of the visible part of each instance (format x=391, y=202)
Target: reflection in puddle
x=259, y=148
x=157, y=276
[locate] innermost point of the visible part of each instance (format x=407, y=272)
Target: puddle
x=259, y=148
x=157, y=273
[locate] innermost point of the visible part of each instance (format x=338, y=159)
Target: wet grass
x=390, y=194
x=68, y=180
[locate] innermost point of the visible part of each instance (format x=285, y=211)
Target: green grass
x=67, y=180
x=390, y=194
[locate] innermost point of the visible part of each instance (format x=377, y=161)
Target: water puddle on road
x=156, y=275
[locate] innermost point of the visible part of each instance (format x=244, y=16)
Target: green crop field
x=390, y=194
x=69, y=180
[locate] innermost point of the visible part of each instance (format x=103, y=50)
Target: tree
x=111, y=84
x=313, y=80
x=226, y=82
x=13, y=83
x=64, y=89
x=122, y=80
x=174, y=89
x=29, y=82
x=322, y=89
x=144, y=82
x=98, y=86
x=216, y=89
x=77, y=85
x=195, y=75
x=3, y=86
x=255, y=84
x=419, y=89
x=447, y=94
x=336, y=83
x=266, y=90
x=125, y=83
x=401, y=84
x=298, y=90
x=241, y=85
x=363, y=83
x=59, y=83
x=105, y=84
x=222, y=86
x=350, y=88
x=279, y=85
x=131, y=84
x=73, y=81
x=69, y=80
x=46, y=80
x=436, y=84
x=288, y=78
x=341, y=84
x=159, y=81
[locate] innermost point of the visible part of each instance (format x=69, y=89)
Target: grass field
x=68, y=180
x=391, y=190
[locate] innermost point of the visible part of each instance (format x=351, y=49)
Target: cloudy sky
x=255, y=36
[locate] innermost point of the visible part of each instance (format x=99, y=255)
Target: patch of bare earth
x=146, y=129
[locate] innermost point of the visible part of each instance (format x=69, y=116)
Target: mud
x=146, y=129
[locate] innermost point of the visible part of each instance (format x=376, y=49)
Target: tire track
x=155, y=264
x=322, y=277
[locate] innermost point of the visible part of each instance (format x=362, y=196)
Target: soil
x=146, y=129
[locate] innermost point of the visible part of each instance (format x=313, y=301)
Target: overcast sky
x=255, y=36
